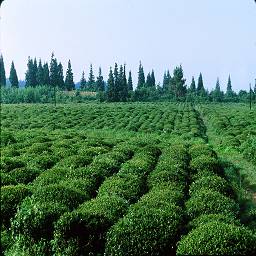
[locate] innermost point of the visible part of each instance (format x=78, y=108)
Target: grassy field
x=128, y=179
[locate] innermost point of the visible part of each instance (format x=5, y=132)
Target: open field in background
x=128, y=179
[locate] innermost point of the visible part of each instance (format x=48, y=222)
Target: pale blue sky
x=215, y=37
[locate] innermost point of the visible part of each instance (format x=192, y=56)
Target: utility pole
x=250, y=96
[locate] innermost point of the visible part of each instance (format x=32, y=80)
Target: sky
x=216, y=38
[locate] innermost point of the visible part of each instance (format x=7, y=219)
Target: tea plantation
x=126, y=179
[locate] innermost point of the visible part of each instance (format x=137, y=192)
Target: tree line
x=118, y=87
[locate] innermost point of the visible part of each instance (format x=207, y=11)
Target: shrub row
x=152, y=225
x=214, y=227
x=82, y=232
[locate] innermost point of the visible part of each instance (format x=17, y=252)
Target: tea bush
x=218, y=238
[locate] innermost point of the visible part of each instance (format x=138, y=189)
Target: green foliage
x=145, y=231
x=207, y=201
x=213, y=183
x=7, y=138
x=69, y=83
x=13, y=77
x=55, y=193
x=2, y=72
x=35, y=219
x=11, y=198
x=83, y=231
x=218, y=238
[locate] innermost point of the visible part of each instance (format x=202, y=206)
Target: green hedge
x=197, y=150
x=207, y=202
x=35, y=219
x=212, y=182
x=145, y=231
x=83, y=231
x=11, y=198
x=218, y=238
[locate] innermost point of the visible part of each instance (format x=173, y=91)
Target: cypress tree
x=141, y=77
x=217, y=93
x=123, y=89
x=178, y=83
x=148, y=80
x=30, y=75
x=130, y=85
x=91, y=80
x=40, y=73
x=193, y=85
x=83, y=82
x=13, y=77
x=166, y=80
x=111, y=92
x=153, y=80
x=54, y=73
x=200, y=85
x=46, y=77
x=229, y=87
x=100, y=87
x=60, y=83
x=35, y=68
x=2, y=72
x=69, y=83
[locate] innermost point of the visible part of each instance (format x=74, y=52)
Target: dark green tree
x=200, y=86
x=111, y=90
x=141, y=77
x=40, y=73
x=122, y=84
x=69, y=82
x=2, y=72
x=60, y=83
x=91, y=80
x=230, y=94
x=100, y=85
x=153, y=79
x=54, y=72
x=35, y=68
x=217, y=94
x=192, y=87
x=83, y=82
x=46, y=77
x=130, y=85
x=13, y=77
x=166, y=81
x=177, y=83
x=31, y=72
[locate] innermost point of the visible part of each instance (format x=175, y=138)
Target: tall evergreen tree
x=13, y=77
x=166, y=81
x=40, y=73
x=148, y=80
x=91, y=80
x=83, y=82
x=229, y=87
x=200, y=85
x=2, y=72
x=130, y=85
x=46, y=76
x=192, y=88
x=177, y=83
x=153, y=79
x=61, y=83
x=217, y=94
x=30, y=75
x=141, y=77
x=111, y=92
x=69, y=82
x=35, y=68
x=54, y=72
x=123, y=89
x=100, y=86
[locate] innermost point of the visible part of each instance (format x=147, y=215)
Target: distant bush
x=210, y=202
x=11, y=198
x=218, y=238
x=8, y=164
x=24, y=175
